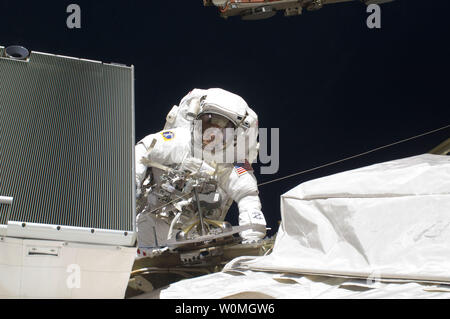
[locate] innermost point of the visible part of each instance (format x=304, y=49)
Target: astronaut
x=196, y=154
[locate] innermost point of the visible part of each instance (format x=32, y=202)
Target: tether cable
x=322, y=166
x=354, y=156
x=169, y=203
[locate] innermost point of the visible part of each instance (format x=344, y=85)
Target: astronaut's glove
x=254, y=235
x=152, y=252
x=195, y=165
x=138, y=192
x=138, y=188
x=251, y=240
x=157, y=252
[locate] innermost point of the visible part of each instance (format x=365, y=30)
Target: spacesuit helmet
x=220, y=114
x=222, y=108
x=224, y=103
x=214, y=127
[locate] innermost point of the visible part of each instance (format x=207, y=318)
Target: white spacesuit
x=163, y=159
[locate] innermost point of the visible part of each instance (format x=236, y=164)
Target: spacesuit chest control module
x=189, y=174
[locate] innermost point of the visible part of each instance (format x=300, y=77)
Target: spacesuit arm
x=161, y=148
x=250, y=214
x=243, y=189
x=141, y=169
x=141, y=154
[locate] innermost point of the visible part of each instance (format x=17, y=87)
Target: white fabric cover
x=389, y=223
x=264, y=285
x=389, y=220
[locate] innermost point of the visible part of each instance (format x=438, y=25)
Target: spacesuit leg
x=151, y=234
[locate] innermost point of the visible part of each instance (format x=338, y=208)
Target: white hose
x=172, y=225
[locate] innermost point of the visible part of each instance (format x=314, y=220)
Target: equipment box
x=66, y=175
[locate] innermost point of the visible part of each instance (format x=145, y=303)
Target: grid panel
x=67, y=142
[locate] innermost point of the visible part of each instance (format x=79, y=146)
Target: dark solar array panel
x=67, y=142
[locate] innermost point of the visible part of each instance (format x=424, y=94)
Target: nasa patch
x=168, y=135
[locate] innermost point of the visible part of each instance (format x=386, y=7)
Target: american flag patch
x=242, y=169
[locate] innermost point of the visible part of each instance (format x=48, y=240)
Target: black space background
x=334, y=87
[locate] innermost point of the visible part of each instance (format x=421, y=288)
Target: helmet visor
x=216, y=129
x=215, y=120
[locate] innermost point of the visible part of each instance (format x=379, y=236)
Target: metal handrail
x=442, y=149
x=6, y=200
